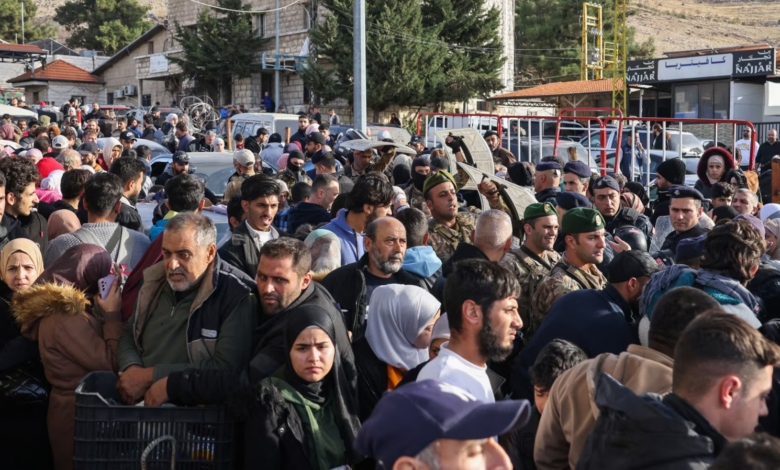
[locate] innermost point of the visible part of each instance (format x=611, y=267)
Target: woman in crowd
x=400, y=323
x=325, y=247
x=219, y=145
x=632, y=201
x=714, y=165
x=54, y=131
x=24, y=436
x=772, y=227
x=112, y=149
x=74, y=336
x=440, y=335
x=61, y=222
x=637, y=188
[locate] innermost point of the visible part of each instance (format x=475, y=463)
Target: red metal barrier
x=602, y=126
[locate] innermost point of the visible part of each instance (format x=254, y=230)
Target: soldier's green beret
x=538, y=209
x=582, y=220
x=441, y=176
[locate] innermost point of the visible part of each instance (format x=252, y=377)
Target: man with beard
x=352, y=285
x=767, y=150
x=606, y=199
x=535, y=258
x=481, y=303
x=577, y=269
x=494, y=142
x=371, y=198
x=547, y=181
x=260, y=200
x=300, y=135
x=314, y=143
x=669, y=173
x=180, y=165
x=421, y=169
x=193, y=311
x=131, y=171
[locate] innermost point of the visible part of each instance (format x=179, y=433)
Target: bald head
x=385, y=244
x=493, y=234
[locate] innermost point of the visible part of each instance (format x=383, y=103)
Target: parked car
x=691, y=145
x=248, y=123
x=157, y=149
x=397, y=133
x=146, y=211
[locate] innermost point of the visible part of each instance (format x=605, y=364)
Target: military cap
x=544, y=166
x=690, y=248
x=604, y=182
x=582, y=220
x=577, y=167
x=682, y=192
x=569, y=200
x=538, y=209
x=441, y=176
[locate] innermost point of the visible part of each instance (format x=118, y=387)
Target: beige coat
x=570, y=412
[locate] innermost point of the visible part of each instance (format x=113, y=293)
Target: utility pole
x=22, y=21
x=359, y=59
x=277, y=78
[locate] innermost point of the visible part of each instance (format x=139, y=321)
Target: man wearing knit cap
x=669, y=173
x=685, y=210
x=606, y=199
x=585, y=244
x=535, y=258
x=547, y=181
x=493, y=141
x=576, y=177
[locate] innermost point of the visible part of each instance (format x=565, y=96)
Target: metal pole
x=22, y=21
x=277, y=73
x=641, y=96
x=359, y=59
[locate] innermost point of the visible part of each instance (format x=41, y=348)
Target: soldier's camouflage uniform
x=563, y=279
x=289, y=178
x=445, y=240
x=381, y=166
x=529, y=273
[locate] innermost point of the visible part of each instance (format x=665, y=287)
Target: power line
x=246, y=11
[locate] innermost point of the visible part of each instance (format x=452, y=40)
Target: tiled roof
x=20, y=48
x=579, y=87
x=59, y=70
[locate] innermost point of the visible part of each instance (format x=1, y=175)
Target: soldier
x=547, y=181
x=421, y=170
x=447, y=227
x=576, y=270
x=685, y=210
x=576, y=177
x=294, y=172
x=535, y=258
x=606, y=199
x=361, y=162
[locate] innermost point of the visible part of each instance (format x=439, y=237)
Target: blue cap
x=577, y=167
x=409, y=418
x=604, y=182
x=181, y=157
x=544, y=166
x=682, y=192
x=569, y=200
x=690, y=248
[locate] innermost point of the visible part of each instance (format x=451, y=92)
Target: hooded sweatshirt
x=306, y=213
x=352, y=248
x=570, y=413
x=422, y=261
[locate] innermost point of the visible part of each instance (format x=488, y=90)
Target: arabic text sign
x=158, y=63
x=690, y=68
x=752, y=63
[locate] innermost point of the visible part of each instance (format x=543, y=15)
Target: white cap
x=244, y=157
x=60, y=142
x=383, y=135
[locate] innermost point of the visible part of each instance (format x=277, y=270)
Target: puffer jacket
x=703, y=185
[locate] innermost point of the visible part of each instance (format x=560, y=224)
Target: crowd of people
x=367, y=315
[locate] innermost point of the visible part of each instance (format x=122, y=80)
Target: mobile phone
x=105, y=285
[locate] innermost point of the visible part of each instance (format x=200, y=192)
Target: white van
x=248, y=123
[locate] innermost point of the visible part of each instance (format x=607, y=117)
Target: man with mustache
x=352, y=285
x=447, y=227
x=193, y=311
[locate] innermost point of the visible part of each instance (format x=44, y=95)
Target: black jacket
x=148, y=132
x=200, y=145
x=129, y=217
x=645, y=432
x=15, y=349
x=241, y=250
x=765, y=153
x=11, y=229
x=34, y=225
x=372, y=377
x=306, y=213
x=46, y=209
x=674, y=238
x=168, y=174
x=464, y=251
x=661, y=206
x=251, y=144
x=299, y=136
x=347, y=285
x=548, y=195
x=765, y=286
x=430, y=281
x=627, y=216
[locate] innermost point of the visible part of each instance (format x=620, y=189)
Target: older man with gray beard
x=352, y=285
x=194, y=311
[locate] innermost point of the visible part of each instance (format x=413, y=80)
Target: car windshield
x=216, y=174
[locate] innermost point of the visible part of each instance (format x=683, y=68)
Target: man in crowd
x=742, y=149
x=547, y=180
x=722, y=376
x=421, y=169
x=185, y=138
x=131, y=171
x=260, y=200
x=89, y=152
x=352, y=285
x=433, y=425
x=94, y=113
x=745, y=202
x=184, y=193
x=194, y=311
x=420, y=259
x=300, y=193
x=535, y=258
x=325, y=163
x=361, y=162
x=244, y=163
x=274, y=150
x=294, y=172
x=204, y=144
x=606, y=199
x=256, y=143
x=576, y=177
x=642, y=369
x=314, y=143
x=767, y=150
x=629, y=165
x=585, y=243
x=722, y=194
x=447, y=227
x=127, y=139
x=300, y=134
x=72, y=187
x=493, y=141
x=669, y=173
x=21, y=175
x=180, y=165
x=102, y=195
x=316, y=210
x=481, y=303
x=371, y=198
x=149, y=128
x=69, y=159
x=333, y=118
x=417, y=143
x=685, y=210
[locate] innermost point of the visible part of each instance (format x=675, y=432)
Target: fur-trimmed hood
x=31, y=305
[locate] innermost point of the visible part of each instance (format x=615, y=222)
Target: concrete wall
x=747, y=101
x=9, y=70
x=60, y=92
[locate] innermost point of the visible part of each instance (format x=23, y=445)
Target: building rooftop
x=59, y=70
x=579, y=87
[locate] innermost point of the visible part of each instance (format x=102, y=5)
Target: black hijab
x=520, y=174
x=417, y=179
x=637, y=188
x=335, y=385
x=401, y=174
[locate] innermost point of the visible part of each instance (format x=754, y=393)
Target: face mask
x=294, y=168
x=418, y=180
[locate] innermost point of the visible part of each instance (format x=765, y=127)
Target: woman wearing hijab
x=50, y=190
x=112, y=149
x=440, y=335
x=61, y=222
x=325, y=247
x=632, y=201
x=520, y=174
x=772, y=228
x=714, y=165
x=400, y=323
x=26, y=442
x=74, y=337
x=54, y=131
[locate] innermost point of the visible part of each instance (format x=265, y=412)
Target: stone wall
x=60, y=92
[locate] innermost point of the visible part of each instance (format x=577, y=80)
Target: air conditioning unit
x=129, y=90
x=120, y=93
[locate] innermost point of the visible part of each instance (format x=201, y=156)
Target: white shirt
x=744, y=149
x=261, y=238
x=451, y=368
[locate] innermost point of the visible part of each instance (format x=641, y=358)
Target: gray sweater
x=103, y=232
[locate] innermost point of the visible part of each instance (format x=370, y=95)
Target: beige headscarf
x=25, y=246
x=61, y=222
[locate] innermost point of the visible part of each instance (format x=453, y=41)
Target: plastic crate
x=113, y=436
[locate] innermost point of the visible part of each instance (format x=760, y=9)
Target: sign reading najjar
x=752, y=63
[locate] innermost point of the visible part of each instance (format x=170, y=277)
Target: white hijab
x=54, y=180
x=108, y=145
x=398, y=315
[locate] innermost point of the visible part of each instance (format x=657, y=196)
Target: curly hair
x=733, y=249
x=19, y=173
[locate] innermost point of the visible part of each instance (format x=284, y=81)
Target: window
x=150, y=48
x=306, y=95
x=35, y=97
x=703, y=101
x=146, y=100
x=482, y=105
x=258, y=24
x=110, y=98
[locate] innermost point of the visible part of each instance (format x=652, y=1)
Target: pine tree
x=11, y=22
x=220, y=46
x=105, y=25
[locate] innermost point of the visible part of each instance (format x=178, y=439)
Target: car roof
x=263, y=116
x=204, y=157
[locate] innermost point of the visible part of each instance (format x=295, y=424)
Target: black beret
x=544, y=166
x=569, y=200
x=579, y=168
x=632, y=263
x=690, y=248
x=682, y=192
x=604, y=182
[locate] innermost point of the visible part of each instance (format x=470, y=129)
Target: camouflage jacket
x=445, y=240
x=563, y=279
x=381, y=166
x=289, y=178
x=529, y=273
